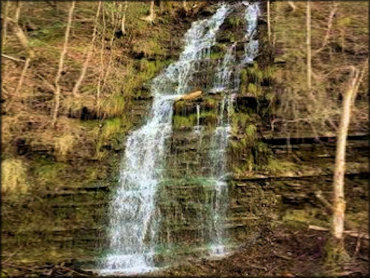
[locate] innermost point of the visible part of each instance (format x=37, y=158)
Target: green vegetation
x=234, y=21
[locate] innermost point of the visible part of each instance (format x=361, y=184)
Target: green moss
x=234, y=21
x=252, y=89
x=255, y=74
x=335, y=256
x=184, y=121
x=240, y=121
x=275, y=166
x=216, y=55
x=112, y=106
x=179, y=106
x=50, y=172
x=190, y=180
x=209, y=118
x=269, y=74
x=250, y=131
x=111, y=128
x=210, y=103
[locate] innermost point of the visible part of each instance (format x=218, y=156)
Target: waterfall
x=224, y=71
x=251, y=46
x=217, y=154
x=219, y=141
x=133, y=223
x=197, y=128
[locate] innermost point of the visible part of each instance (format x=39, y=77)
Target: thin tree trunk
x=25, y=44
x=101, y=59
x=23, y=74
x=185, y=6
x=268, y=21
x=151, y=15
x=291, y=4
x=5, y=20
x=123, y=20
x=308, y=44
x=110, y=60
x=17, y=12
x=113, y=13
x=330, y=24
x=362, y=74
x=88, y=55
x=339, y=204
x=61, y=63
x=328, y=30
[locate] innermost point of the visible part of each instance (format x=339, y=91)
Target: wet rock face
x=187, y=197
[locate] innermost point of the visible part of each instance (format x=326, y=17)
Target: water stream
x=219, y=141
x=133, y=222
x=134, y=219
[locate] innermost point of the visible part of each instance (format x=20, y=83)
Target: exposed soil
x=285, y=251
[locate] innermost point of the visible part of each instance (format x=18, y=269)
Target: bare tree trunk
x=123, y=20
x=61, y=63
x=337, y=251
x=291, y=4
x=328, y=30
x=268, y=21
x=330, y=24
x=5, y=20
x=101, y=59
x=88, y=54
x=362, y=74
x=17, y=12
x=308, y=44
x=113, y=13
x=25, y=44
x=23, y=74
x=110, y=60
x=185, y=6
x=151, y=15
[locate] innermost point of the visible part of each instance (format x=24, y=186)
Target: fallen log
x=190, y=96
x=350, y=233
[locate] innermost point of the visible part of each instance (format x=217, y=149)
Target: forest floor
x=285, y=251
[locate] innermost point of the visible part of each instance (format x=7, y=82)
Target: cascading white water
x=251, y=17
x=251, y=45
x=197, y=128
x=218, y=160
x=224, y=71
x=219, y=141
x=133, y=225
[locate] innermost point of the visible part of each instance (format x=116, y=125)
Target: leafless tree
x=88, y=54
x=61, y=64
